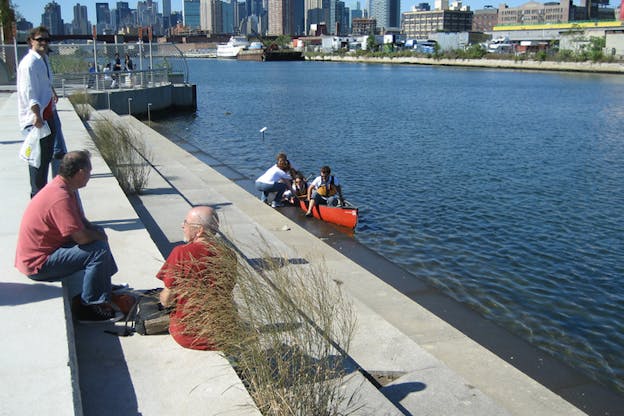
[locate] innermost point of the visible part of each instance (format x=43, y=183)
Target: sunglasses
x=42, y=40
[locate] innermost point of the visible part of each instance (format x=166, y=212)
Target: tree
x=371, y=43
x=7, y=18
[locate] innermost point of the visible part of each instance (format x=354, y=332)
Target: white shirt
x=274, y=174
x=318, y=181
x=34, y=86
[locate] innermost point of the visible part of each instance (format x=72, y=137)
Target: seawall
x=591, y=67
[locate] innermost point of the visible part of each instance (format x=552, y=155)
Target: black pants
x=39, y=176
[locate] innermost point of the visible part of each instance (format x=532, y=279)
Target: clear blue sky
x=32, y=9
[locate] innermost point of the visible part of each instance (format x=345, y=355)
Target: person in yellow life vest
x=324, y=189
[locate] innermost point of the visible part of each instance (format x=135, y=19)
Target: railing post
x=149, y=114
x=130, y=106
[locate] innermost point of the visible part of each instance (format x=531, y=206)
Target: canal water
x=505, y=189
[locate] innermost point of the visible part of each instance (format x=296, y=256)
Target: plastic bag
x=31, y=149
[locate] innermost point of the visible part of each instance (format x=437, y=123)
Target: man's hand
x=37, y=113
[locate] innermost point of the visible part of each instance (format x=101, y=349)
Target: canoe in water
x=347, y=215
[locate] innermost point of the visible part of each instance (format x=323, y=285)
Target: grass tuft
x=285, y=327
x=125, y=154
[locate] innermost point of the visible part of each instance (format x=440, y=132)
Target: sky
x=32, y=9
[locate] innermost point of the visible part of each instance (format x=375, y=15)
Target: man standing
x=197, y=267
x=55, y=240
x=35, y=101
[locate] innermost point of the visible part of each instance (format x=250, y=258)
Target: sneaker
x=99, y=313
x=276, y=204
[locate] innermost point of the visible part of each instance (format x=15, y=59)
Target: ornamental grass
x=284, y=326
x=125, y=154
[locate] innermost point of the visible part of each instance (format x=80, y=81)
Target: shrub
x=82, y=102
x=125, y=155
x=286, y=330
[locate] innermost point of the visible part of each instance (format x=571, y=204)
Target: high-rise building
x=299, y=17
x=281, y=17
x=191, y=14
x=122, y=17
x=329, y=15
x=147, y=14
x=80, y=24
x=227, y=14
x=387, y=13
x=102, y=17
x=166, y=14
x=210, y=16
x=342, y=18
x=51, y=18
x=355, y=14
x=313, y=14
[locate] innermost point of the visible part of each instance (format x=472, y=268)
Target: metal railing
x=72, y=61
x=67, y=84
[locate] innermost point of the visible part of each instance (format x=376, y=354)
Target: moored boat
x=233, y=47
x=346, y=215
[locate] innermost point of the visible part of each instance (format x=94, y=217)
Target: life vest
x=327, y=188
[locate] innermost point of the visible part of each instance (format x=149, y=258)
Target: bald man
x=185, y=261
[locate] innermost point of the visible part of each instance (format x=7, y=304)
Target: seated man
x=324, y=189
x=199, y=280
x=55, y=240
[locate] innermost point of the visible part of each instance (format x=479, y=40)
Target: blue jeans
x=94, y=258
x=59, y=149
x=267, y=188
x=332, y=201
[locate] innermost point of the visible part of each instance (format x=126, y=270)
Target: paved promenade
x=77, y=369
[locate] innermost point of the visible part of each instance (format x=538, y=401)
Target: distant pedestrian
x=128, y=63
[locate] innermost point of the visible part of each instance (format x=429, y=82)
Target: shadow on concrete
x=13, y=294
x=397, y=392
x=156, y=234
x=272, y=263
x=105, y=382
x=101, y=175
x=160, y=191
x=121, y=225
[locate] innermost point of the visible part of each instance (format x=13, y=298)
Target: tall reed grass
x=285, y=327
x=125, y=154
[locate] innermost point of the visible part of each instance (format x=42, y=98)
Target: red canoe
x=346, y=216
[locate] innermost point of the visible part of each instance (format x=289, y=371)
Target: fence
x=68, y=83
x=151, y=63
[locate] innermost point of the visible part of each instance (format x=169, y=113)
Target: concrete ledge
x=37, y=356
x=150, y=375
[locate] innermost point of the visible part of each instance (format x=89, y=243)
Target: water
x=504, y=189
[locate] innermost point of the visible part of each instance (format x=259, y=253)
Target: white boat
x=233, y=47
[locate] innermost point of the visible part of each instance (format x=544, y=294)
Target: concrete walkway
x=442, y=372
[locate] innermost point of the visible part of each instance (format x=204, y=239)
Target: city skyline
x=33, y=9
